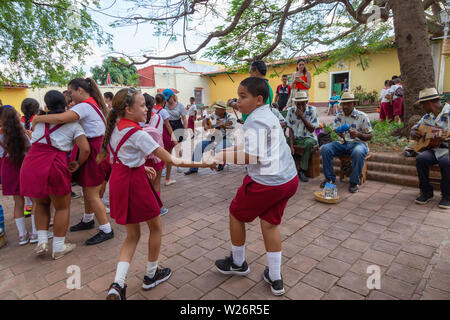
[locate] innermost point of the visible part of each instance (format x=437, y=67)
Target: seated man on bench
x=302, y=121
x=354, y=129
x=439, y=117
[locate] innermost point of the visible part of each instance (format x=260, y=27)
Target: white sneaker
x=163, y=211
x=169, y=182
x=42, y=248
x=23, y=240
x=163, y=174
x=34, y=238
x=69, y=248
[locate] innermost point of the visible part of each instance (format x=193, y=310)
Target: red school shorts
x=254, y=200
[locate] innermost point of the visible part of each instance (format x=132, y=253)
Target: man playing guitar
x=438, y=117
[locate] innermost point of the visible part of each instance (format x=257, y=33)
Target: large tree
x=273, y=29
x=44, y=40
x=118, y=71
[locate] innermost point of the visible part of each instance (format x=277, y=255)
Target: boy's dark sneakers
x=276, y=286
x=220, y=167
x=99, y=238
x=83, y=226
x=226, y=266
x=445, y=203
x=353, y=188
x=161, y=275
x=322, y=185
x=424, y=198
x=117, y=292
x=302, y=176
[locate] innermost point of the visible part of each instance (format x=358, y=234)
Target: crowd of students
x=391, y=100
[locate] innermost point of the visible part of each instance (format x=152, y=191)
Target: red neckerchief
x=22, y=119
x=91, y=100
x=127, y=123
x=157, y=107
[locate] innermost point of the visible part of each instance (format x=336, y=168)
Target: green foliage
x=365, y=98
x=334, y=136
x=118, y=72
x=39, y=40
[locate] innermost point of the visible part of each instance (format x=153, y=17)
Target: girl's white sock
x=20, y=223
x=274, y=259
x=151, y=268
x=59, y=244
x=121, y=273
x=106, y=228
x=88, y=217
x=42, y=236
x=238, y=255
x=33, y=225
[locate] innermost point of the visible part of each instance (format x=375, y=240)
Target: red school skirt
x=92, y=174
x=167, y=140
x=386, y=111
x=157, y=166
x=131, y=195
x=254, y=200
x=398, y=107
x=10, y=178
x=191, y=122
x=53, y=176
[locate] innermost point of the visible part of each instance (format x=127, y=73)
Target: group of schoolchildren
x=391, y=100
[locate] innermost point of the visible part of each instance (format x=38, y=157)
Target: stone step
x=404, y=180
x=391, y=168
x=395, y=158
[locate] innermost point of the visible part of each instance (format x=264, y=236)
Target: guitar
x=211, y=128
x=432, y=137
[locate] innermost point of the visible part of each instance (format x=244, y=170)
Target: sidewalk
x=326, y=248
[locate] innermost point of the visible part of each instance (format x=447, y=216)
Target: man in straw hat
x=437, y=116
x=224, y=123
x=302, y=120
x=354, y=130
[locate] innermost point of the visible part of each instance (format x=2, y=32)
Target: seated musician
x=438, y=117
x=354, y=130
x=302, y=121
x=223, y=123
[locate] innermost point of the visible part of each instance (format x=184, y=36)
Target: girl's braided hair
x=14, y=138
x=29, y=108
x=124, y=98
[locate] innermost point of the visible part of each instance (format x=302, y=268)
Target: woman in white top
x=51, y=184
x=132, y=197
x=90, y=111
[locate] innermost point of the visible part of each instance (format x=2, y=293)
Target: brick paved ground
x=326, y=248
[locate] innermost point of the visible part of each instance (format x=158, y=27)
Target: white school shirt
x=2, y=151
x=383, y=94
x=163, y=113
x=156, y=121
x=392, y=91
x=264, y=138
x=134, y=151
x=192, y=110
x=62, y=138
x=91, y=122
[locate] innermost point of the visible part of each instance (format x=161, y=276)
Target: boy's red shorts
x=254, y=200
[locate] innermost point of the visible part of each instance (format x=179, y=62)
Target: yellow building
x=382, y=66
x=14, y=95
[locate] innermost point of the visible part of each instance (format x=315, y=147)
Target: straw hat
x=348, y=97
x=428, y=94
x=220, y=104
x=300, y=96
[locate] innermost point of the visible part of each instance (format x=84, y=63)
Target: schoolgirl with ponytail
x=15, y=144
x=51, y=184
x=91, y=112
x=132, y=197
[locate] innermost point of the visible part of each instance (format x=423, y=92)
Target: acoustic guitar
x=432, y=137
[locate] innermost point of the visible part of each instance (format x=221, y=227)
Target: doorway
x=338, y=82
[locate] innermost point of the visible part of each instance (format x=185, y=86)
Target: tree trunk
x=414, y=52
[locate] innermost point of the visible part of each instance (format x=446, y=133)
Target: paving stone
x=302, y=263
x=377, y=295
x=386, y=247
x=218, y=294
x=237, y=286
x=397, y=288
x=346, y=255
x=315, y=252
x=338, y=293
x=327, y=242
x=407, y=274
x=355, y=244
x=320, y=280
x=378, y=257
x=333, y=266
x=303, y=291
x=187, y=292
x=412, y=260
x=354, y=282
x=440, y=281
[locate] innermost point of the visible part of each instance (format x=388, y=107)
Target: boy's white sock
x=59, y=244
x=88, y=217
x=106, y=228
x=238, y=255
x=20, y=223
x=274, y=259
x=42, y=236
x=33, y=225
x=121, y=273
x=151, y=268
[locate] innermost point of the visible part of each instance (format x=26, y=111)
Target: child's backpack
x=399, y=92
x=154, y=133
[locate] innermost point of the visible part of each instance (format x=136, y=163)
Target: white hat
x=428, y=94
x=220, y=104
x=348, y=97
x=301, y=96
